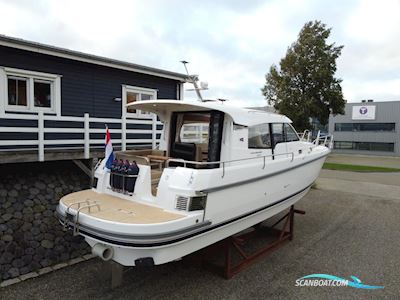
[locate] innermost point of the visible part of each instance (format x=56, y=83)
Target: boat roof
x=240, y=115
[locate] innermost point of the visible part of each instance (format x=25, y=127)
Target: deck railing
x=222, y=164
x=82, y=133
x=320, y=139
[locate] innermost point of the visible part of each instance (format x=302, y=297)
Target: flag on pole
x=109, y=155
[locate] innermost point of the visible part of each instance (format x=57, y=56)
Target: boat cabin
x=210, y=134
x=205, y=133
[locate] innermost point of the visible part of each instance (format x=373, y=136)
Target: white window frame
x=140, y=91
x=31, y=77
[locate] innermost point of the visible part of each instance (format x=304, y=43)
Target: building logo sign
x=365, y=112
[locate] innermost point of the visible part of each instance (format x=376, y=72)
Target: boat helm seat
x=201, y=152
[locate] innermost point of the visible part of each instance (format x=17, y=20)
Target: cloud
x=230, y=44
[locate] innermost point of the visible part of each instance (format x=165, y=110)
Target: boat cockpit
x=209, y=135
x=194, y=136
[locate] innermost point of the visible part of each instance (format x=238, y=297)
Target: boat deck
x=116, y=209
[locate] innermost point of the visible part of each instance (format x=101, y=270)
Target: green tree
x=304, y=85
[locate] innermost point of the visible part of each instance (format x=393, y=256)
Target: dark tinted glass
x=17, y=91
x=259, y=137
x=291, y=134
x=42, y=91
x=277, y=133
x=364, y=146
x=365, y=127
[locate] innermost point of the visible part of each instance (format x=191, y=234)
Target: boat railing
x=324, y=140
x=76, y=222
x=321, y=139
x=69, y=217
x=124, y=178
x=222, y=164
x=305, y=136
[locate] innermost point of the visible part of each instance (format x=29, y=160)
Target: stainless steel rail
x=88, y=205
x=305, y=136
x=124, y=176
x=205, y=163
x=324, y=140
x=76, y=223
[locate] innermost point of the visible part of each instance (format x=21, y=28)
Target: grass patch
x=356, y=168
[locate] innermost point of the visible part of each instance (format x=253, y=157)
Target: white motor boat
x=218, y=170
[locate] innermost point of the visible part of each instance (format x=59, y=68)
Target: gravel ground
x=341, y=234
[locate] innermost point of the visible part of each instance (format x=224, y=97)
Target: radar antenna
x=193, y=79
x=222, y=100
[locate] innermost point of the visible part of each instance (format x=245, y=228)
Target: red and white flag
x=109, y=155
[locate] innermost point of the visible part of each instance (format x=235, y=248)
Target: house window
x=29, y=91
x=130, y=98
x=17, y=91
x=365, y=127
x=133, y=94
x=42, y=93
x=366, y=146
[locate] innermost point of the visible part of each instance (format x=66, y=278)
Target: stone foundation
x=30, y=235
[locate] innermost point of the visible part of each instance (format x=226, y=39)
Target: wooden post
x=154, y=132
x=87, y=135
x=3, y=83
x=123, y=132
x=41, y=136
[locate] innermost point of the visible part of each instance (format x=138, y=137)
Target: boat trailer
x=232, y=261
x=234, y=249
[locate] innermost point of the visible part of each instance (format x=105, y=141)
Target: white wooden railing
x=87, y=143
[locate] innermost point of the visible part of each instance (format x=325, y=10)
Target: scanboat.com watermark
x=331, y=280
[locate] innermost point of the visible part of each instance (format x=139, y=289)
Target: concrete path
x=342, y=234
x=365, y=160
x=386, y=185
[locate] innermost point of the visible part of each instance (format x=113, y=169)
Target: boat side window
x=277, y=133
x=259, y=137
x=290, y=133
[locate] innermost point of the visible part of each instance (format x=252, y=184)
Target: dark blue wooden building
x=54, y=102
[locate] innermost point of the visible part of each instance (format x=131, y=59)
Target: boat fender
x=133, y=169
x=119, y=169
x=113, y=170
x=144, y=262
x=104, y=252
x=124, y=172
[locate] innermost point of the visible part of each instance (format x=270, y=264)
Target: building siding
x=85, y=87
x=386, y=112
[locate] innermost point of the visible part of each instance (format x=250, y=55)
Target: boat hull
x=160, y=254
x=229, y=210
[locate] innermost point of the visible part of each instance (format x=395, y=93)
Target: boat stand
x=235, y=261
x=114, y=272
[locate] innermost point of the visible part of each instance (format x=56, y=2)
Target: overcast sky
x=230, y=44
